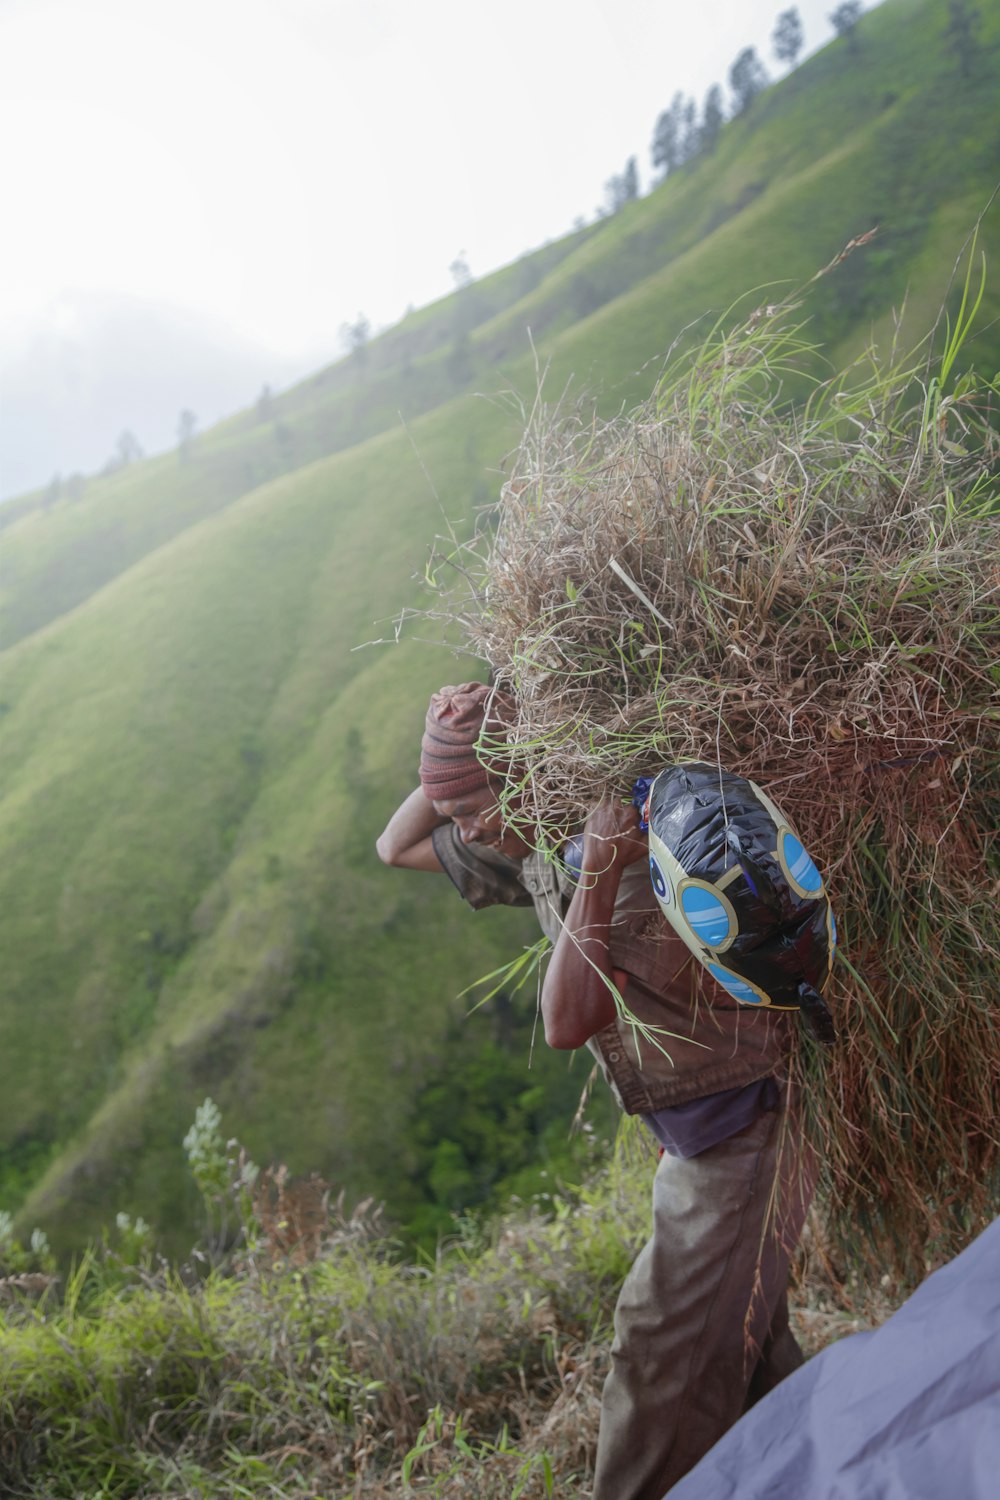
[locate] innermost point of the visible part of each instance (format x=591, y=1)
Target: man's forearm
x=406, y=838
x=576, y=998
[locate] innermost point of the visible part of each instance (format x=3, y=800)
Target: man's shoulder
x=482, y=876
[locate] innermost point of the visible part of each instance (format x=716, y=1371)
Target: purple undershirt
x=688, y=1129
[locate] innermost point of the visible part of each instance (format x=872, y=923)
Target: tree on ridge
x=623, y=187
x=962, y=33
x=844, y=21
x=186, y=424
x=713, y=118
x=666, y=147
x=747, y=77
x=787, y=37
x=355, y=337
x=128, y=450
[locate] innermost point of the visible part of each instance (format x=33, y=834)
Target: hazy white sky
x=280, y=165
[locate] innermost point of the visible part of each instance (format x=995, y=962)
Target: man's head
x=453, y=777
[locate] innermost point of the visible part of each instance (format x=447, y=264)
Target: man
x=701, y=1326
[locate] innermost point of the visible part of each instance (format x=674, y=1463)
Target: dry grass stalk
x=27, y=1284
x=293, y=1215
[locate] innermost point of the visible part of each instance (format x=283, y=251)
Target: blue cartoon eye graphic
x=739, y=888
x=800, y=867
x=735, y=986
x=708, y=917
x=661, y=885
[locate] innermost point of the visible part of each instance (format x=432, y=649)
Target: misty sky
x=276, y=166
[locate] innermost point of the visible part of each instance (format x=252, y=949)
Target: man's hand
x=612, y=838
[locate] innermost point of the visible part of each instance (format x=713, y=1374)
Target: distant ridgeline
x=196, y=762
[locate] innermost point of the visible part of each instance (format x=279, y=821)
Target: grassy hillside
x=891, y=136
x=196, y=760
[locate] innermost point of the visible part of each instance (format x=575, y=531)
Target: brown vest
x=684, y=1037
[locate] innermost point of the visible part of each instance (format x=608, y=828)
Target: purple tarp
x=908, y=1412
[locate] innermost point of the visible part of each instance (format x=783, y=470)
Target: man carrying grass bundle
x=701, y=1326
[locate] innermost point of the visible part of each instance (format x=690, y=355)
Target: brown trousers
x=701, y=1326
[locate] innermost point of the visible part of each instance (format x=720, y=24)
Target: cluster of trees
x=483, y=1131
x=961, y=35
x=354, y=337
x=683, y=132
x=128, y=449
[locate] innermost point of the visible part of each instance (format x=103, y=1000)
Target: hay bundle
x=812, y=599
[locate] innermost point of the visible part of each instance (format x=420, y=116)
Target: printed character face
x=479, y=820
x=737, y=885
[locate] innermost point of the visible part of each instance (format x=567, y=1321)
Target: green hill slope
x=196, y=761
x=891, y=136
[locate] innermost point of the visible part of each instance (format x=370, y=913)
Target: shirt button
x=613, y=1056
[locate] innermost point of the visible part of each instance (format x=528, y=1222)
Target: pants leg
x=779, y=1357
x=701, y=1312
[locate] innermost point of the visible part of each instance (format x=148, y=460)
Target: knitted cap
x=449, y=767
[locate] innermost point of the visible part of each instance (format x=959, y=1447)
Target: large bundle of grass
x=809, y=596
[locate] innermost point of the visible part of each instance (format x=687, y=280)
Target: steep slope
x=891, y=134
x=200, y=838
x=195, y=758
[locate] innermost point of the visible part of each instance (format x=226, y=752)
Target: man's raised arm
x=576, y=999
x=406, y=839
x=449, y=772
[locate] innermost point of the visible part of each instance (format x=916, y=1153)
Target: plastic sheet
x=909, y=1412
x=736, y=883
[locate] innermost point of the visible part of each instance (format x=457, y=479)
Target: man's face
x=478, y=820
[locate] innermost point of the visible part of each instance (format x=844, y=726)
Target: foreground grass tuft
x=311, y=1361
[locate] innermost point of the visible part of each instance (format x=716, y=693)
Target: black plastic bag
x=735, y=882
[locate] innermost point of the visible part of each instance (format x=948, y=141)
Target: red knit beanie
x=449, y=767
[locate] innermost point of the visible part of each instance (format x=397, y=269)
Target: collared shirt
x=689, y=1129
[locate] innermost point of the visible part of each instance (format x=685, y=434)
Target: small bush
x=310, y=1359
